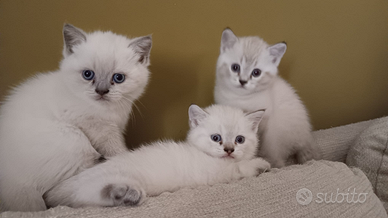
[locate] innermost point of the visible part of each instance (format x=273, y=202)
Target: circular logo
x=304, y=196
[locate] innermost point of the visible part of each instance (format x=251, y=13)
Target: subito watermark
x=304, y=197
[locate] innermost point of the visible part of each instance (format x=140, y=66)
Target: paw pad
x=122, y=195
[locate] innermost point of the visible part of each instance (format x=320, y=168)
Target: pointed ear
x=277, y=51
x=255, y=117
x=142, y=47
x=196, y=115
x=72, y=36
x=228, y=39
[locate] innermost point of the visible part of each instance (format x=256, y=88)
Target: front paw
x=123, y=195
x=263, y=165
x=254, y=167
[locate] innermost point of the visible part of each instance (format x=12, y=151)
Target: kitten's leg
x=42, y=159
x=96, y=187
x=277, y=162
x=110, y=142
x=269, y=151
x=274, y=145
x=308, y=152
x=250, y=168
x=26, y=199
x=241, y=169
x=304, y=155
x=122, y=195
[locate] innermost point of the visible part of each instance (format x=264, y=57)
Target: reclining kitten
x=247, y=78
x=56, y=124
x=220, y=148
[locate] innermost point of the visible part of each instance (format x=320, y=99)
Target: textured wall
x=337, y=55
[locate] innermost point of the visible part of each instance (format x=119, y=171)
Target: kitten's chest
x=248, y=102
x=95, y=124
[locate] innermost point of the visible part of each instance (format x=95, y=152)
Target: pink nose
x=229, y=150
x=102, y=91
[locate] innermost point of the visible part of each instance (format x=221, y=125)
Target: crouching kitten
x=247, y=78
x=220, y=148
x=56, y=124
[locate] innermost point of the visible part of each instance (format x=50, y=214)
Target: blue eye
x=88, y=74
x=216, y=137
x=235, y=68
x=256, y=72
x=240, y=139
x=118, y=77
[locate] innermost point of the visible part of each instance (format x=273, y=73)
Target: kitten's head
x=224, y=132
x=102, y=67
x=247, y=64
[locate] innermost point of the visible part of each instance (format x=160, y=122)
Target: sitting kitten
x=56, y=124
x=247, y=78
x=220, y=147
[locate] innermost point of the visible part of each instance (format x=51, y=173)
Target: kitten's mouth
x=228, y=157
x=241, y=86
x=101, y=98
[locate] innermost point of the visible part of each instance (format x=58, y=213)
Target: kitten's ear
x=277, y=51
x=196, y=115
x=255, y=117
x=228, y=39
x=72, y=36
x=142, y=47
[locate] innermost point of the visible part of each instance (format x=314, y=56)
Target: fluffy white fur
x=286, y=128
x=167, y=166
x=56, y=124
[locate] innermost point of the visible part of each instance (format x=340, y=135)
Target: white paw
x=254, y=167
x=263, y=165
x=123, y=195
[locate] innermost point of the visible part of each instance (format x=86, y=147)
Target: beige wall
x=337, y=55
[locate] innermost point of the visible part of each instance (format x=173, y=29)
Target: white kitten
x=56, y=124
x=247, y=78
x=220, y=147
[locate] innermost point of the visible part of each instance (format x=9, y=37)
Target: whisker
x=134, y=104
x=132, y=118
x=141, y=103
x=137, y=108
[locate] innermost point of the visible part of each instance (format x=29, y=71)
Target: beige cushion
x=335, y=142
x=370, y=154
x=272, y=194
